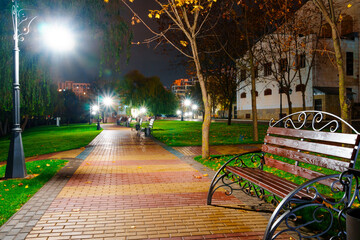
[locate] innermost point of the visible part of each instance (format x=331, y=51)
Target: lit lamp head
x=178, y=112
x=57, y=37
x=95, y=108
x=187, y=102
x=143, y=110
x=194, y=107
x=108, y=101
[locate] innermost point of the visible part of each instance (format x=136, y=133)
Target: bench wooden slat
x=342, y=138
x=333, y=164
x=336, y=151
x=274, y=184
x=298, y=171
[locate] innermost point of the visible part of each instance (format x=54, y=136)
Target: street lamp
x=186, y=103
x=194, y=107
x=16, y=167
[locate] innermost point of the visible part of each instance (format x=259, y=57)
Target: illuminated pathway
x=130, y=187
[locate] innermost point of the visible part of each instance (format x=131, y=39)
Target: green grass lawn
x=188, y=133
x=48, y=139
x=16, y=192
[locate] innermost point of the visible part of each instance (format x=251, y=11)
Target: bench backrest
x=306, y=140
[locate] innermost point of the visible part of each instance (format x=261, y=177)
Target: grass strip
x=189, y=133
x=48, y=139
x=14, y=193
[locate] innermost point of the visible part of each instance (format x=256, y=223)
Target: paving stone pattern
x=130, y=187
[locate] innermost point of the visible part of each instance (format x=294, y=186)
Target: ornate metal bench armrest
x=218, y=176
x=288, y=209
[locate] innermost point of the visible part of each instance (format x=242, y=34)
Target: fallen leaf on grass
x=205, y=175
x=20, y=184
x=48, y=165
x=27, y=186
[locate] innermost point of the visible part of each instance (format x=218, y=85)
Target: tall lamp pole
x=16, y=167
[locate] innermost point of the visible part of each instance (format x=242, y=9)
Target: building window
x=300, y=61
x=300, y=88
x=243, y=95
x=267, y=92
x=283, y=65
x=318, y=104
x=349, y=63
x=243, y=75
x=267, y=69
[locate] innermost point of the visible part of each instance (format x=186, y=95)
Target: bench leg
x=288, y=220
x=221, y=175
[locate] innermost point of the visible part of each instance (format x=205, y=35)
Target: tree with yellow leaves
x=332, y=12
x=187, y=17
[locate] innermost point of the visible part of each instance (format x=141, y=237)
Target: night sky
x=81, y=66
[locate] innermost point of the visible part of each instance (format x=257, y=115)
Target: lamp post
x=194, y=107
x=15, y=167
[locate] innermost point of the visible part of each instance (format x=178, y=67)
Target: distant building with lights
x=181, y=87
x=79, y=89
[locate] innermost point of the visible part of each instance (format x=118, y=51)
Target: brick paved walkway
x=130, y=187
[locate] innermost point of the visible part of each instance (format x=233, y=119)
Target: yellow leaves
x=6, y=190
x=205, y=175
x=88, y=182
x=106, y=1
x=131, y=0
x=198, y=7
x=184, y=43
x=48, y=165
x=328, y=205
x=27, y=186
x=133, y=227
x=20, y=184
x=134, y=20
x=349, y=5
x=155, y=13
x=139, y=167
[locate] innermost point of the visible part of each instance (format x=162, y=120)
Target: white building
x=292, y=66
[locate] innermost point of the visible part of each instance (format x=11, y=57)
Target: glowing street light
x=143, y=110
x=187, y=102
x=178, y=112
x=57, y=37
x=108, y=101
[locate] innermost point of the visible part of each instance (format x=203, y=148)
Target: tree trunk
x=303, y=99
x=253, y=100
x=205, y=147
x=23, y=126
x=230, y=113
x=344, y=105
x=289, y=102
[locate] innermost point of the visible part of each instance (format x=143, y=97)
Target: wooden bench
x=306, y=145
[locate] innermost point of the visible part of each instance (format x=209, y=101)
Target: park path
x=131, y=187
